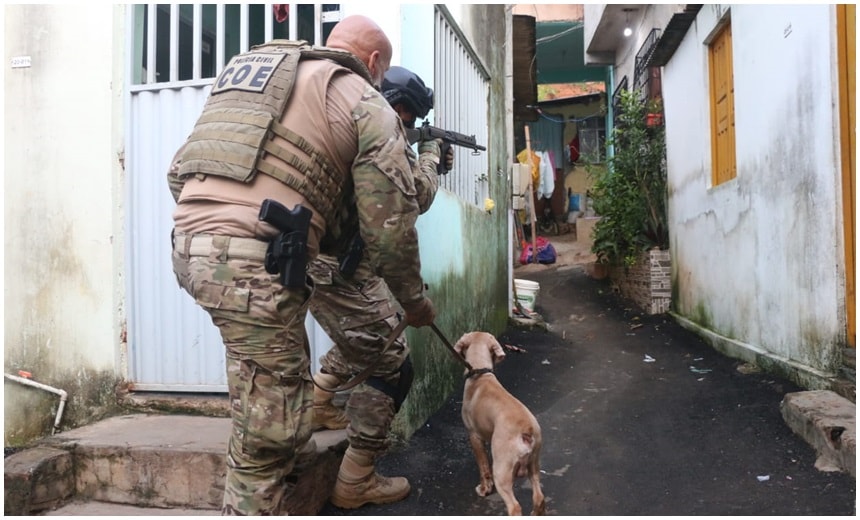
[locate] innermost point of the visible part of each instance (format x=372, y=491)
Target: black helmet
x=401, y=85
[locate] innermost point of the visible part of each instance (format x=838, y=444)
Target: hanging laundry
x=552, y=160
x=546, y=185
x=573, y=149
x=523, y=158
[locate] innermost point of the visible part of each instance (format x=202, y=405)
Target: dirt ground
x=569, y=251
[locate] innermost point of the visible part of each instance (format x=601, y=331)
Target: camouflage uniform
x=262, y=326
x=219, y=248
x=359, y=313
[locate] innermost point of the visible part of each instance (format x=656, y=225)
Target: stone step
x=146, y=460
x=827, y=422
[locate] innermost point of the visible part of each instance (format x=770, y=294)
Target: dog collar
x=478, y=372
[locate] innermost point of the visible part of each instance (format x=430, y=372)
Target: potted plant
x=654, y=119
x=630, y=193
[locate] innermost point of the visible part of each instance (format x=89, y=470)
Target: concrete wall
x=592, y=14
x=758, y=261
x=603, y=32
x=550, y=12
x=62, y=211
x=643, y=20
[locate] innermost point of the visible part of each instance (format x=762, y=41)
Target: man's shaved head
x=365, y=39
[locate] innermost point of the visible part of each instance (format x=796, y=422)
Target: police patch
x=248, y=72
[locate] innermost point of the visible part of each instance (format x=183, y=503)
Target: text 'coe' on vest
x=247, y=72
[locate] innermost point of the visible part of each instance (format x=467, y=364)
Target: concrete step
x=147, y=460
x=93, y=508
x=827, y=421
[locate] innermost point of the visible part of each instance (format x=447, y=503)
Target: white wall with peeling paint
x=62, y=197
x=62, y=172
x=759, y=260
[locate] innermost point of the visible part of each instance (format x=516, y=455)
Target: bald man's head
x=365, y=39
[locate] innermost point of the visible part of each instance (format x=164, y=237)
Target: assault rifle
x=287, y=253
x=427, y=132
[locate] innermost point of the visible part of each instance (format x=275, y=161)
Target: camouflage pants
x=359, y=314
x=271, y=394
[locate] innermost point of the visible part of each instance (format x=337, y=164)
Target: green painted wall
x=464, y=249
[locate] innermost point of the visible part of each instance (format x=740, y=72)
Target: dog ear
x=461, y=345
x=497, y=350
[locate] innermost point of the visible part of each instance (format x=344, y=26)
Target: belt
x=207, y=245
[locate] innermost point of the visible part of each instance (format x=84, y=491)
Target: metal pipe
x=62, y=393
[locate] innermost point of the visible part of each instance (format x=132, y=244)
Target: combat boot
x=326, y=415
x=358, y=484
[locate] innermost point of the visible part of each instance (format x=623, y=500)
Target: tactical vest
x=242, y=115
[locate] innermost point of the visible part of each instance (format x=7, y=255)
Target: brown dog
x=493, y=415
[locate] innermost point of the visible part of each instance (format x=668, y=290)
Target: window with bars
x=592, y=140
x=646, y=77
x=616, y=98
x=462, y=105
x=187, y=42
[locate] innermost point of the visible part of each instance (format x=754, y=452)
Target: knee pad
x=397, y=391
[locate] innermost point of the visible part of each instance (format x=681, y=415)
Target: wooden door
x=846, y=18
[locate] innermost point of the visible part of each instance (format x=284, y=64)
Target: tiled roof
x=557, y=91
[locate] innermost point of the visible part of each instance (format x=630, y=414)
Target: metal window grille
x=643, y=73
x=191, y=43
x=616, y=98
x=591, y=144
x=462, y=99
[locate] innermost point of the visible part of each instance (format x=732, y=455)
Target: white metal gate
x=462, y=94
x=176, y=51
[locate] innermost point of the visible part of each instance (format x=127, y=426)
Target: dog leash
x=364, y=374
x=447, y=343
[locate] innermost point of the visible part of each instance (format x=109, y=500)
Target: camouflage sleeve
x=426, y=177
x=173, y=181
x=386, y=197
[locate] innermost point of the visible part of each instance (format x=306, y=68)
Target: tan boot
x=358, y=484
x=326, y=415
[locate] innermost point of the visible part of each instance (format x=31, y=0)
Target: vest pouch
x=226, y=142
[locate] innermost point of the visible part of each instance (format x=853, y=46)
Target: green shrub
x=630, y=194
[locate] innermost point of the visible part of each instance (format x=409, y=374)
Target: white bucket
x=527, y=292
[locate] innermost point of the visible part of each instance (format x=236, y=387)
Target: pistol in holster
x=287, y=253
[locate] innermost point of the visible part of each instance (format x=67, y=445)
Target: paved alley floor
x=639, y=417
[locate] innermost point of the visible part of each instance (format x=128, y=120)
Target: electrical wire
x=551, y=37
x=563, y=119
